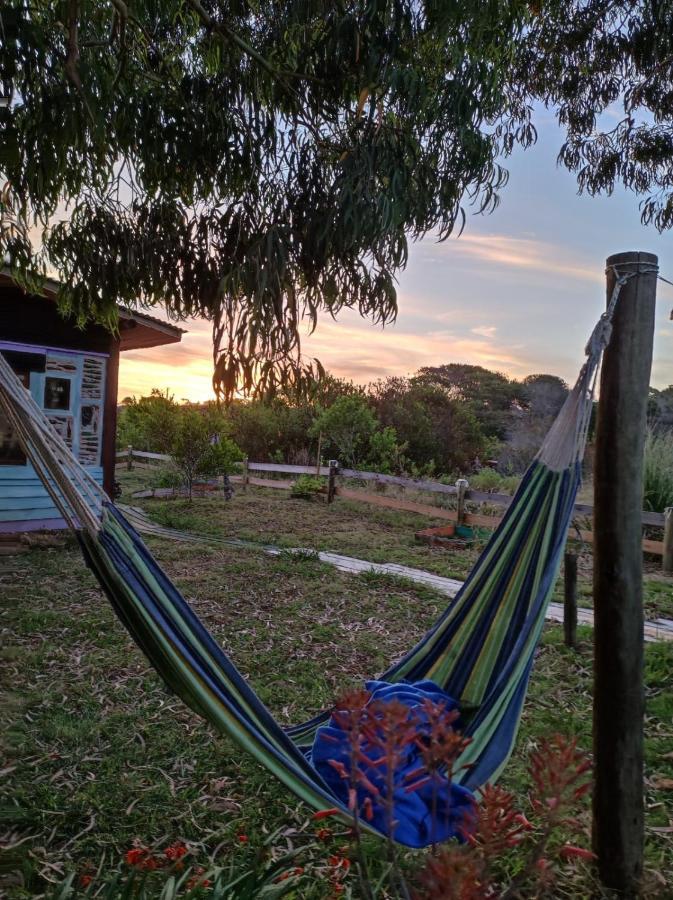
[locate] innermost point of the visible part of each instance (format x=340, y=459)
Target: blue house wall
x=76, y=410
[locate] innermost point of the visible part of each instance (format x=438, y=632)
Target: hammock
x=480, y=651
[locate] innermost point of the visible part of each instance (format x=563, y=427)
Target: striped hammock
x=480, y=651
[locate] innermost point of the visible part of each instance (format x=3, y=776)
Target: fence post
x=317, y=462
x=129, y=459
x=570, y=600
x=331, y=482
x=462, y=484
x=667, y=562
x=619, y=693
x=245, y=474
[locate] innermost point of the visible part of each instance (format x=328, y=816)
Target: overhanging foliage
x=263, y=162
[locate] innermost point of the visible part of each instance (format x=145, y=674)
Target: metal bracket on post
x=331, y=482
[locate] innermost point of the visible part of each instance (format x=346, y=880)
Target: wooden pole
x=331, y=481
x=462, y=485
x=618, y=825
x=245, y=474
x=667, y=562
x=129, y=460
x=570, y=600
x=317, y=462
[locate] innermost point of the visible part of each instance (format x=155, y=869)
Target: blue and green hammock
x=480, y=651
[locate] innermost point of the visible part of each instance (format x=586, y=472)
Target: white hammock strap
x=566, y=440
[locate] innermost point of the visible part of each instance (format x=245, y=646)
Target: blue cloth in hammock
x=412, y=811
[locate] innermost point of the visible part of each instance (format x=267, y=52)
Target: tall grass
x=658, y=470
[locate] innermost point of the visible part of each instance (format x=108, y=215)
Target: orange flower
x=324, y=813
x=85, y=880
x=175, y=851
x=195, y=880
x=135, y=856
x=323, y=834
x=570, y=852
x=339, y=862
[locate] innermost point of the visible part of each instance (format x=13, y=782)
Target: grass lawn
x=97, y=754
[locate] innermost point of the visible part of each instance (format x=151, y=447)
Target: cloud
x=503, y=252
x=487, y=331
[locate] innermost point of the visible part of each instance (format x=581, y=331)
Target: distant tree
x=148, y=423
x=197, y=452
x=660, y=407
x=544, y=395
x=490, y=396
x=440, y=433
x=347, y=426
x=542, y=398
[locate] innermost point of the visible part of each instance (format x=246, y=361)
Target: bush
x=347, y=427
x=658, y=471
x=307, y=486
x=386, y=454
x=198, y=451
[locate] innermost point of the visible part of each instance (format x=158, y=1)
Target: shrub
x=347, y=427
x=386, y=454
x=197, y=451
x=658, y=470
x=307, y=486
x=486, y=479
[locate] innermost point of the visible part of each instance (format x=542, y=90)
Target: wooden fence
x=461, y=491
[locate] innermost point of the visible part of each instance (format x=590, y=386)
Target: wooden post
x=667, y=562
x=462, y=485
x=618, y=825
x=331, y=482
x=245, y=474
x=317, y=462
x=570, y=600
x=129, y=460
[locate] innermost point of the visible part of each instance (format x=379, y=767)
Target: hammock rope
x=480, y=651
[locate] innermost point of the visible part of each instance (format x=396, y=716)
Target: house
x=71, y=373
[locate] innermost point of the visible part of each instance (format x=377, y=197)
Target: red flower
x=135, y=856
x=299, y=870
x=243, y=838
x=570, y=852
x=324, y=813
x=339, y=862
x=195, y=880
x=85, y=880
x=323, y=834
x=175, y=851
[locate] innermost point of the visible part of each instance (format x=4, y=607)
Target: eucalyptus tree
x=254, y=162
x=262, y=162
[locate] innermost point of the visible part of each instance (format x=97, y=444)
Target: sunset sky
x=519, y=292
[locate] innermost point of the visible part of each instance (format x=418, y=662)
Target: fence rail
x=144, y=459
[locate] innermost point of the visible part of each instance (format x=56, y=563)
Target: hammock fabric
x=480, y=651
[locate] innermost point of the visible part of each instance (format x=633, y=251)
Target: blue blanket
x=412, y=809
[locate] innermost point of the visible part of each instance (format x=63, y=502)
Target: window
x=56, y=393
